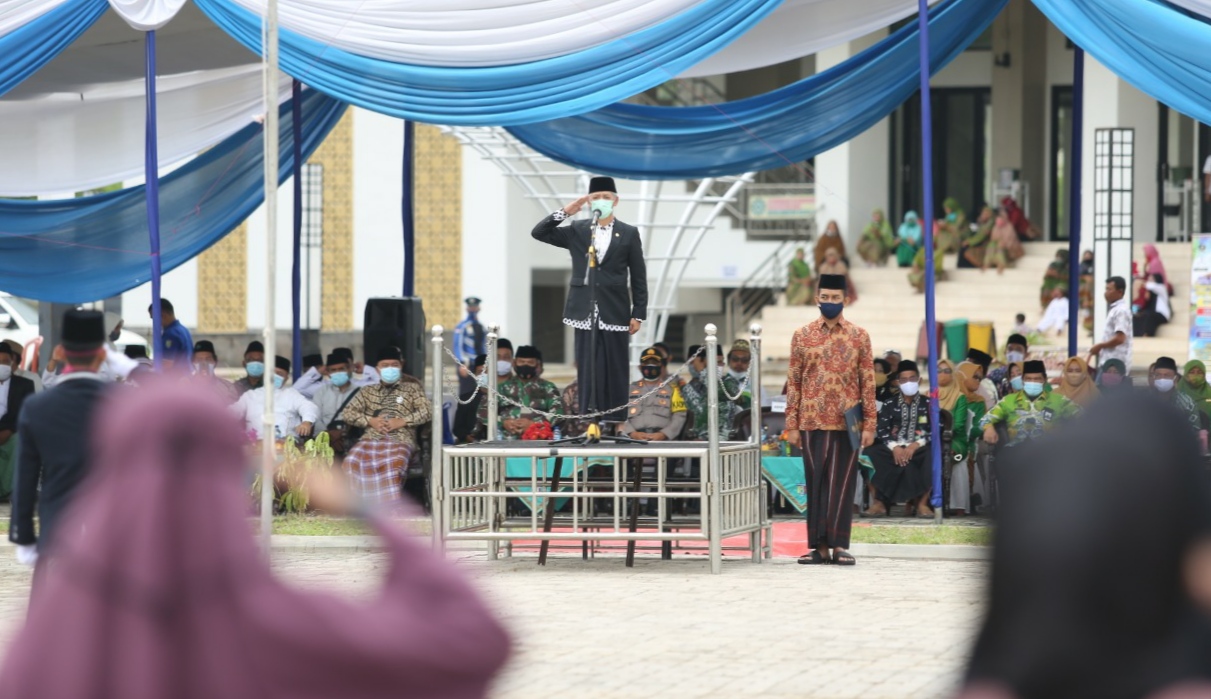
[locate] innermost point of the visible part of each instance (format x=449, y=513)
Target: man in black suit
x=53, y=430
x=621, y=304
x=13, y=392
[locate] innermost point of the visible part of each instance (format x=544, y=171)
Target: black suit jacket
x=618, y=301
x=54, y=429
x=19, y=389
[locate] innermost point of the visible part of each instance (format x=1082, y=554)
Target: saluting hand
x=573, y=208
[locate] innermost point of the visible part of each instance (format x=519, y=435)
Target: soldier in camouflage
x=524, y=387
x=695, y=397
x=661, y=415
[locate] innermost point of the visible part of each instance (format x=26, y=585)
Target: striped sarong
x=830, y=466
x=376, y=468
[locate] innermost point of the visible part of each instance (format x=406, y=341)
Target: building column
x=1019, y=101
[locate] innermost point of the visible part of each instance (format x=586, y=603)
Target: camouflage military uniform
x=662, y=411
x=538, y=394
x=695, y=399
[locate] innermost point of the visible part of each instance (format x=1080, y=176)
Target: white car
x=19, y=322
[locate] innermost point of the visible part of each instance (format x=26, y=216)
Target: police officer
x=661, y=415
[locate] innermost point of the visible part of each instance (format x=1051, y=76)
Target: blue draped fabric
x=80, y=250
x=782, y=127
x=28, y=48
x=504, y=95
x=1156, y=47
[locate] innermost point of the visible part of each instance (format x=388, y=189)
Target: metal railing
x=759, y=290
x=476, y=497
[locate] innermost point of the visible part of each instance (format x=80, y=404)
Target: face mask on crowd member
x=254, y=360
x=1034, y=376
x=1015, y=349
x=738, y=360
x=281, y=371
x=1164, y=375
x=204, y=358
x=910, y=379
x=881, y=370
x=651, y=364
x=526, y=361
x=830, y=295
x=338, y=370
x=390, y=365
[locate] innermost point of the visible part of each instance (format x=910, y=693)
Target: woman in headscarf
x=829, y=240
x=950, y=229
x=908, y=239
x=968, y=410
x=1154, y=265
x=1194, y=384
x=1056, y=277
x=975, y=241
x=917, y=276
x=798, y=280
x=1005, y=247
x=159, y=590
x=833, y=264
x=1112, y=376
x=948, y=387
x=877, y=240
x=1076, y=384
x=1065, y=617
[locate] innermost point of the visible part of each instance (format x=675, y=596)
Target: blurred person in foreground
x=1066, y=618
x=162, y=596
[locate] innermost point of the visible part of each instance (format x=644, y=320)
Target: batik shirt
x=537, y=394
x=831, y=371
x=1026, y=419
x=403, y=399
x=694, y=394
x=1118, y=320
x=571, y=406
x=904, y=422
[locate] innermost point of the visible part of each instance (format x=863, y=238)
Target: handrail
x=759, y=290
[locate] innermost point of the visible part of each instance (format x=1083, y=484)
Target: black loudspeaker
x=396, y=322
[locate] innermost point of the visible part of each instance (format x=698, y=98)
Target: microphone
x=596, y=216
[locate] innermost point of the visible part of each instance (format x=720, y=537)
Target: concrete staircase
x=893, y=312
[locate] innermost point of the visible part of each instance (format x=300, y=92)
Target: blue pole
x=296, y=137
x=931, y=335
x=1074, y=201
x=151, y=171
x=406, y=206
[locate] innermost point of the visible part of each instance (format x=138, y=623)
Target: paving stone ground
x=885, y=628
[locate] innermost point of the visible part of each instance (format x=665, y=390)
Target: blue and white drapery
x=782, y=127
x=32, y=32
x=79, y=250
x=1151, y=44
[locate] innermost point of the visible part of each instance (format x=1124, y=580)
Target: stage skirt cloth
x=896, y=484
x=376, y=468
x=612, y=376
x=830, y=469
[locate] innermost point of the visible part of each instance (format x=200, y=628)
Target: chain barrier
x=600, y=413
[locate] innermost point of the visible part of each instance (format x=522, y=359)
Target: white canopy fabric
x=66, y=143
x=15, y=13
x=469, y=33
x=147, y=15
x=1202, y=8
x=804, y=27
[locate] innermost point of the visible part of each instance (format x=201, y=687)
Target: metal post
x=754, y=382
x=490, y=368
x=151, y=168
x=435, y=468
x=1074, y=200
x=712, y=457
x=269, y=460
x=296, y=274
x=407, y=204
x=931, y=334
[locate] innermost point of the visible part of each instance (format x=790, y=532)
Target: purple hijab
x=157, y=588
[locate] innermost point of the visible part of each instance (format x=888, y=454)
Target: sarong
x=610, y=372
x=895, y=484
x=376, y=469
x=830, y=467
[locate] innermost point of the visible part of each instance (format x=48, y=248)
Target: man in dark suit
x=53, y=430
x=621, y=304
x=13, y=392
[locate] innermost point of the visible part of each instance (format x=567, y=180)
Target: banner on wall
x=1200, y=299
x=781, y=207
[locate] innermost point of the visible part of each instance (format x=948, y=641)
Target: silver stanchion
x=714, y=475
x=494, y=464
x=754, y=383
x=436, y=467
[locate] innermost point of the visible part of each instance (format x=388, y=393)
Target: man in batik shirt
x=390, y=411
x=831, y=371
x=524, y=387
x=1030, y=412
x=903, y=469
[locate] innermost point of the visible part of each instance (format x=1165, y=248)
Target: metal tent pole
x=296, y=273
x=931, y=334
x=406, y=205
x=1074, y=201
x=269, y=460
x=151, y=168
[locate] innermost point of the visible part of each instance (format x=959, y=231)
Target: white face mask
x=1015, y=357
x=1163, y=385
x=503, y=367
x=910, y=388
x=738, y=375
x=6, y=372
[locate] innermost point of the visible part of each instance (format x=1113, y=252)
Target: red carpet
x=790, y=541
